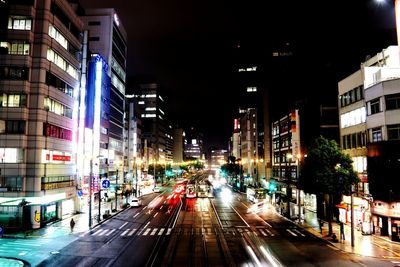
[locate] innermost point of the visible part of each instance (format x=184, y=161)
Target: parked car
x=156, y=189
x=136, y=202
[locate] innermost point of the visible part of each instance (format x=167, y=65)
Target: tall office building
x=39, y=81
x=108, y=38
x=156, y=129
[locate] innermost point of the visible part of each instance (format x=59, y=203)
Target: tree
x=329, y=171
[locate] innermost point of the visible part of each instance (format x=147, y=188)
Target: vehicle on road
x=156, y=189
x=136, y=202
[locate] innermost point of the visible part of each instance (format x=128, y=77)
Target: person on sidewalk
x=321, y=224
x=72, y=224
x=342, y=237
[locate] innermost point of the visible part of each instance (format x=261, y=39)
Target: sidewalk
x=62, y=226
x=364, y=245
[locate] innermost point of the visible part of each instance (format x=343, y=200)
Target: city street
x=168, y=231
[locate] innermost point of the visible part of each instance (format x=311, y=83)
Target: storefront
x=386, y=219
x=361, y=210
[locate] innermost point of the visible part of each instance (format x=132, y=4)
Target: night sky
x=187, y=46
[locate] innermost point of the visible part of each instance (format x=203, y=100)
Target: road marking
x=297, y=231
x=262, y=232
x=147, y=231
x=124, y=233
x=109, y=233
x=169, y=231
x=288, y=230
x=123, y=225
x=134, y=216
x=105, y=231
x=155, y=215
x=269, y=232
x=154, y=231
x=147, y=224
x=161, y=231
x=131, y=232
x=96, y=233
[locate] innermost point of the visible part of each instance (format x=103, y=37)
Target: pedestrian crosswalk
x=188, y=231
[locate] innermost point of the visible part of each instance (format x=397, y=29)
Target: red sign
x=59, y=157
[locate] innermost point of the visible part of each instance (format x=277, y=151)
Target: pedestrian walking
x=342, y=237
x=72, y=224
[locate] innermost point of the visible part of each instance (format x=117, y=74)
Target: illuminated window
x=251, y=89
x=16, y=47
x=353, y=117
x=56, y=35
x=13, y=100
x=19, y=23
x=57, y=108
x=62, y=63
x=376, y=134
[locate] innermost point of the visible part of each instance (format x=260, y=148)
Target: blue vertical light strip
x=97, y=107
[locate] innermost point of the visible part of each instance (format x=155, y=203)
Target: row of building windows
x=14, y=48
x=62, y=63
x=56, y=35
x=352, y=96
x=14, y=73
x=13, y=100
x=59, y=84
x=13, y=184
x=57, y=132
x=355, y=140
x=391, y=101
x=281, y=143
x=393, y=133
x=19, y=23
x=11, y=155
x=57, y=108
x=12, y=127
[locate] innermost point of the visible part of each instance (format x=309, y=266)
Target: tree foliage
x=326, y=169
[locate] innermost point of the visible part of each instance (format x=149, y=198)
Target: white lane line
x=123, y=225
x=147, y=231
x=155, y=215
x=134, y=216
x=161, y=231
x=105, y=231
x=131, y=232
x=168, y=231
x=268, y=224
x=126, y=231
x=288, y=230
x=154, y=231
x=109, y=233
x=147, y=224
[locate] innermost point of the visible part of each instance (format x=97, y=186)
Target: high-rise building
x=194, y=145
x=178, y=137
x=156, y=129
x=40, y=44
x=108, y=38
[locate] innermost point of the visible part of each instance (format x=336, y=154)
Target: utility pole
x=90, y=192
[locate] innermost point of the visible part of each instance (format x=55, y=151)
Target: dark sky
x=187, y=45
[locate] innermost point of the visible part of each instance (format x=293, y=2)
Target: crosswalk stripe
x=123, y=225
x=126, y=231
x=105, y=231
x=262, y=232
x=109, y=233
x=147, y=231
x=161, y=231
x=154, y=231
x=169, y=231
x=96, y=233
x=131, y=232
x=297, y=231
x=269, y=232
